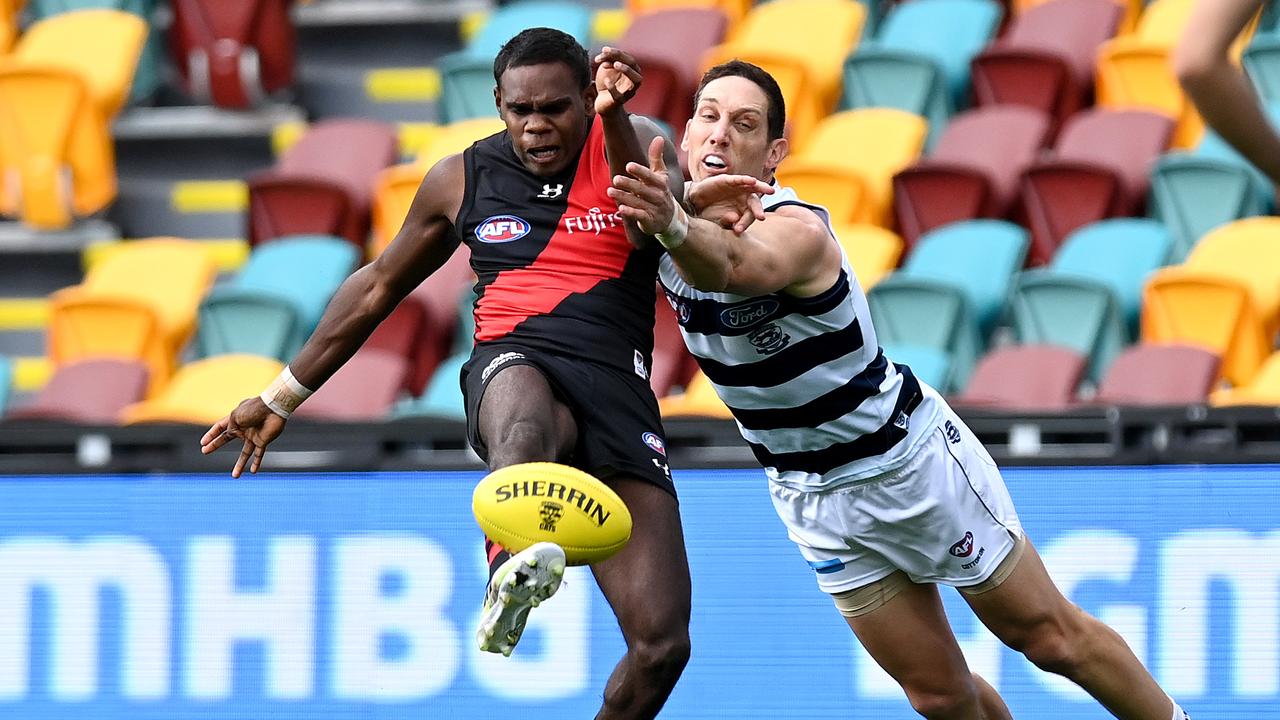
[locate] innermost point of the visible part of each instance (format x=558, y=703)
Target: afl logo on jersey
x=501, y=229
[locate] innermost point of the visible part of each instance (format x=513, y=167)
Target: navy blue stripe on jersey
x=824, y=408
x=707, y=316
x=864, y=446
x=789, y=363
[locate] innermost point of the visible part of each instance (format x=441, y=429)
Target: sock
x=498, y=555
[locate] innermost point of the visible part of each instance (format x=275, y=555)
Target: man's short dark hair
x=537, y=46
x=777, y=110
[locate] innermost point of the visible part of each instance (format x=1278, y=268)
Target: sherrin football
x=520, y=505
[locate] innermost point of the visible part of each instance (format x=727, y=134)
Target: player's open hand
x=254, y=423
x=643, y=195
x=617, y=79
x=731, y=201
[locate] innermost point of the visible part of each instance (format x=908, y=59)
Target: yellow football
x=520, y=505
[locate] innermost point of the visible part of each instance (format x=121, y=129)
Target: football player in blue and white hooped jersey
x=883, y=488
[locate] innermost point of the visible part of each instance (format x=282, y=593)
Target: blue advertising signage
x=341, y=596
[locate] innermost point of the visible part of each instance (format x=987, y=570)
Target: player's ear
x=778, y=150
x=497, y=98
x=684, y=140
x=589, y=98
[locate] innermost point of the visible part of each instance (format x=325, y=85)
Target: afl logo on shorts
x=964, y=547
x=501, y=229
x=655, y=443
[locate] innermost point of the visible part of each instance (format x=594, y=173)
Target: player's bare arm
x=424, y=243
x=789, y=250
x=1219, y=88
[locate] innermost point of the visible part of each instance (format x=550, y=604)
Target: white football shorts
x=944, y=516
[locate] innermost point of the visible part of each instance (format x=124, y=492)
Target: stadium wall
x=336, y=596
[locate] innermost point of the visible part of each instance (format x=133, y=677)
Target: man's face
x=729, y=132
x=546, y=113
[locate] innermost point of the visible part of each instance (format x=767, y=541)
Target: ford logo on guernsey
x=747, y=314
x=501, y=229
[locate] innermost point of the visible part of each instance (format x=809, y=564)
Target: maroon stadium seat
x=1046, y=59
x=323, y=184
x=1099, y=170
x=1033, y=378
x=404, y=333
x=1159, y=375
x=439, y=297
x=973, y=171
x=669, y=45
x=89, y=391
x=363, y=389
x=673, y=366
x=233, y=54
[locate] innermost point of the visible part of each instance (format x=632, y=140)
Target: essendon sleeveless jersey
x=555, y=269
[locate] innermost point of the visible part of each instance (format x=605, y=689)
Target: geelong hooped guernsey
x=812, y=392
x=555, y=271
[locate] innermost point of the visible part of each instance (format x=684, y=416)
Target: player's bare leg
x=1029, y=614
x=910, y=638
x=647, y=584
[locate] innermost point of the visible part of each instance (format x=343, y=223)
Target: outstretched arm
x=1220, y=90
x=364, y=300
x=789, y=250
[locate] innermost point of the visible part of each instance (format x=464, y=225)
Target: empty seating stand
x=668, y=45
x=233, y=54
x=1148, y=374
x=89, y=391
x=202, y=392
x=1024, y=378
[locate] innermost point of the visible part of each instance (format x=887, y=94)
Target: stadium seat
x=1194, y=192
x=1225, y=297
x=950, y=292
x=365, y=388
x=442, y=397
x=1130, y=11
x=271, y=307
x=467, y=75
x=1159, y=375
x=1046, y=58
x=204, y=391
x=802, y=55
x=8, y=24
x=1024, y=378
x=698, y=400
x=848, y=164
x=673, y=365
x=102, y=46
x=403, y=333
x=734, y=10
x=873, y=251
x=1088, y=299
x=973, y=170
x=126, y=309
x=6, y=382
x=668, y=45
x=930, y=365
x=233, y=54
x=147, y=77
x=323, y=184
x=52, y=134
x=394, y=187
x=1263, y=389
x=919, y=61
x=1262, y=63
x=89, y=391
x=1100, y=168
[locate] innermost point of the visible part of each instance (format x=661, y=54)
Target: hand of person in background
x=254, y=423
x=617, y=79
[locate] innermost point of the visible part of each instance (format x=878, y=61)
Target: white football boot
x=520, y=584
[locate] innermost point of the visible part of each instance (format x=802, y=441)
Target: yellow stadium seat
x=1263, y=389
x=102, y=46
x=139, y=303
x=8, y=24
x=873, y=251
x=849, y=162
x=804, y=56
x=698, y=400
x=56, y=158
x=395, y=187
x=1225, y=297
x=202, y=392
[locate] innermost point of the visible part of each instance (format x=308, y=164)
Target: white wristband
x=285, y=394
x=677, y=231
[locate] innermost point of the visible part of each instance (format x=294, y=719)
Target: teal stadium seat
x=951, y=292
x=443, y=395
x=274, y=303
x=1262, y=64
x=1089, y=297
x=6, y=382
x=467, y=76
x=1195, y=192
x=147, y=76
x=919, y=60
x=929, y=364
